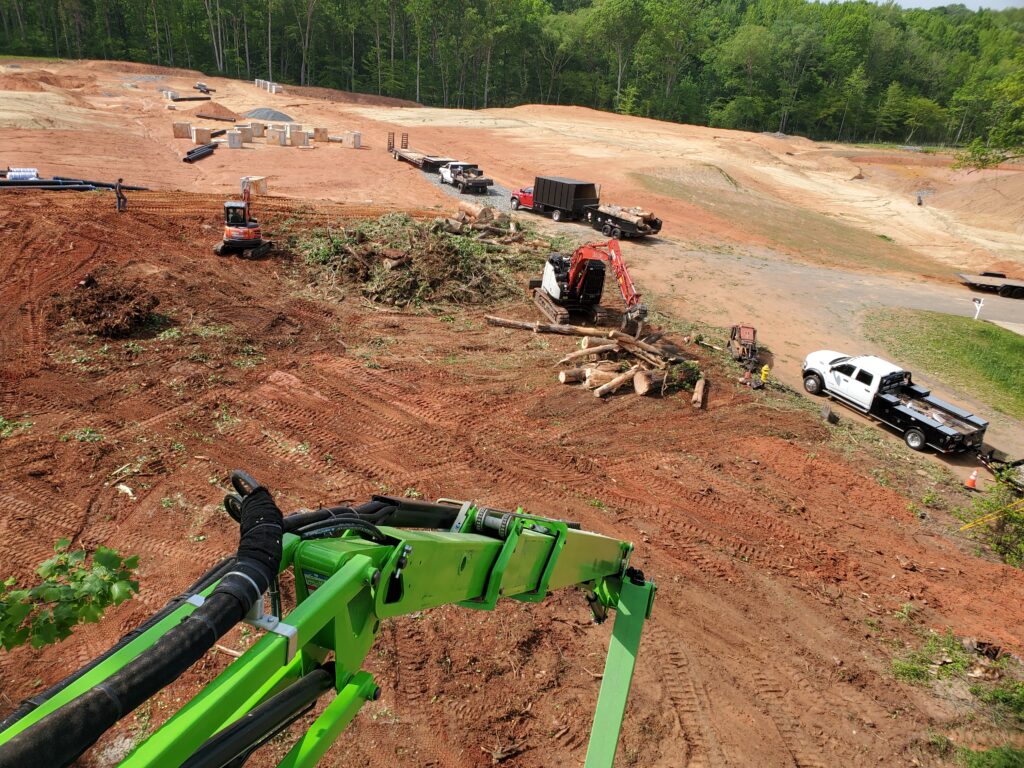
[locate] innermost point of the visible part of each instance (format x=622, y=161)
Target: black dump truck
x=563, y=198
x=886, y=392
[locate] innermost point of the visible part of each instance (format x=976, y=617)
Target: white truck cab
x=853, y=379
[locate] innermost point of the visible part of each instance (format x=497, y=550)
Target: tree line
x=850, y=71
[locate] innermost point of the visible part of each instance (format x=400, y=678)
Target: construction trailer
x=994, y=282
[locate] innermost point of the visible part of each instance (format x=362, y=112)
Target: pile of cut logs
x=609, y=360
x=485, y=221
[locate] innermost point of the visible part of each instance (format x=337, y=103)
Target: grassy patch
x=940, y=656
x=998, y=521
x=975, y=356
x=1007, y=698
x=998, y=757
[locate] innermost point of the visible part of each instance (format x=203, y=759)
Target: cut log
x=593, y=341
x=649, y=382
x=617, y=382
x=572, y=376
x=564, y=330
x=700, y=393
x=598, y=378
x=581, y=353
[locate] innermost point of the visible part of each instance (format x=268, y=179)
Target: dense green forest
x=854, y=71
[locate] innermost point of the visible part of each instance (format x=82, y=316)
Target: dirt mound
x=133, y=68
x=21, y=82
x=347, y=97
x=402, y=262
x=105, y=306
x=213, y=109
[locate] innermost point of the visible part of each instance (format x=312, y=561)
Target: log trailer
x=575, y=283
x=353, y=567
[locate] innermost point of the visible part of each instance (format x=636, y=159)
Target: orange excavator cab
x=575, y=284
x=242, y=233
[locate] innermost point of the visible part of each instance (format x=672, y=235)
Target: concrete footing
x=298, y=138
x=182, y=130
x=234, y=139
x=246, y=131
x=201, y=135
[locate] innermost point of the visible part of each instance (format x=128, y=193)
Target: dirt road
x=776, y=557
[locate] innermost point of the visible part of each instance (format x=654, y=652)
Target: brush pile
x=105, y=306
x=609, y=360
x=402, y=262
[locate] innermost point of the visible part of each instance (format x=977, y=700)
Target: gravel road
x=497, y=196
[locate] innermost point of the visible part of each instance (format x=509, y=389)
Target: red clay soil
x=770, y=550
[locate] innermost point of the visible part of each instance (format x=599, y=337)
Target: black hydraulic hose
x=331, y=527
x=233, y=745
x=62, y=736
x=33, y=702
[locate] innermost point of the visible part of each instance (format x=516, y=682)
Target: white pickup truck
x=465, y=176
x=887, y=393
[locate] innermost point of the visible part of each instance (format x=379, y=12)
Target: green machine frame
x=346, y=585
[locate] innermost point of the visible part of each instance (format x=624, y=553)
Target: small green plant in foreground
x=73, y=590
x=9, y=427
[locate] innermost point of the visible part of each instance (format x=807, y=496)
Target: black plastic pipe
x=103, y=184
x=52, y=187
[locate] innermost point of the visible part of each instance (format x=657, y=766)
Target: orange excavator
x=574, y=284
x=242, y=233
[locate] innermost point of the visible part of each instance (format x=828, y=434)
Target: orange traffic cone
x=972, y=481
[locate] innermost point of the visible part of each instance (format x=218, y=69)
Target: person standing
x=122, y=201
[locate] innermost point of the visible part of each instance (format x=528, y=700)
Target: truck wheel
x=813, y=384
x=616, y=233
x=914, y=438
x=606, y=230
x=557, y=215
x=514, y=204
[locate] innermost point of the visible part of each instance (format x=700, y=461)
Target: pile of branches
x=608, y=361
x=399, y=261
x=105, y=306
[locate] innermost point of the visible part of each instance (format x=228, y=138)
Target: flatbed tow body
x=995, y=282
x=422, y=160
x=886, y=393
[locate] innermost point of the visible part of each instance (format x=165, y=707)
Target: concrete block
x=258, y=129
x=171, y=94
x=299, y=138
x=289, y=127
x=201, y=135
x=357, y=139
x=276, y=137
x=182, y=130
x=320, y=134
x=234, y=139
x=275, y=88
x=257, y=184
x=246, y=131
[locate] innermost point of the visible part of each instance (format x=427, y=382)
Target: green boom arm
x=345, y=586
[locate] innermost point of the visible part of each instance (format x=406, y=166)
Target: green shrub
x=73, y=590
